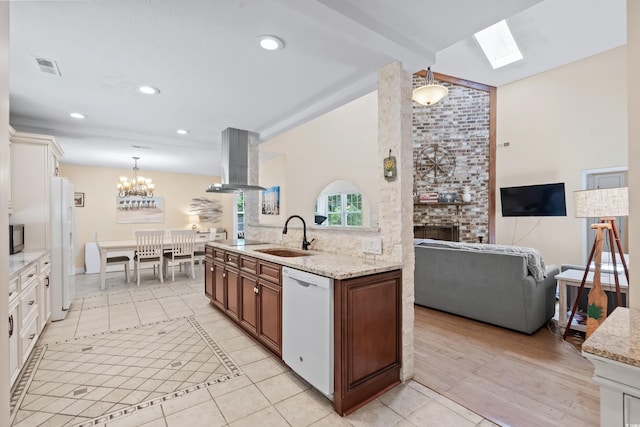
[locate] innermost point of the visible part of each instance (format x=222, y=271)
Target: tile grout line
x=23, y=385
x=234, y=372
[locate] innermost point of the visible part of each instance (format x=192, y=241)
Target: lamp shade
x=602, y=202
x=194, y=219
x=431, y=92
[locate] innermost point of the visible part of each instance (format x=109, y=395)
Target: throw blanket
x=535, y=263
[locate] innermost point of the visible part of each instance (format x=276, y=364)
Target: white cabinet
x=619, y=395
x=29, y=305
x=34, y=160
x=631, y=410
x=14, y=348
x=44, y=290
x=9, y=175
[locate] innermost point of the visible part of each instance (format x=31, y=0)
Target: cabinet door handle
x=47, y=281
x=31, y=302
x=212, y=269
x=46, y=263
x=31, y=275
x=255, y=290
x=10, y=326
x=32, y=336
x=224, y=274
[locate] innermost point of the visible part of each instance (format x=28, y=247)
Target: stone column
x=251, y=198
x=396, y=197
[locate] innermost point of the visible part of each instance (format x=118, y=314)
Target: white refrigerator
x=63, y=247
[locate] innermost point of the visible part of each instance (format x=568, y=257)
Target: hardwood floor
x=510, y=378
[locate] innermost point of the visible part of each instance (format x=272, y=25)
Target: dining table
x=106, y=246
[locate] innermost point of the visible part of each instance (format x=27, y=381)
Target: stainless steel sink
x=283, y=252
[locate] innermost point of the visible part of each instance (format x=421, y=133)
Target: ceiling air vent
x=48, y=66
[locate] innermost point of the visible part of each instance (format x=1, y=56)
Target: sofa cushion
x=535, y=263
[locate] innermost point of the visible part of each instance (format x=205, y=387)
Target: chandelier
x=136, y=185
x=430, y=93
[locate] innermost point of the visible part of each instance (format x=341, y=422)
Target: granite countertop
x=321, y=263
x=617, y=338
x=22, y=259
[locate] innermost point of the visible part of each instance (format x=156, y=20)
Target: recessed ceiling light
x=182, y=132
x=78, y=115
x=498, y=44
x=148, y=90
x=268, y=42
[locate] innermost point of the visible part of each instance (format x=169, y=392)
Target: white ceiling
x=203, y=56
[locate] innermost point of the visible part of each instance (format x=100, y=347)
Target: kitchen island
x=246, y=284
x=614, y=350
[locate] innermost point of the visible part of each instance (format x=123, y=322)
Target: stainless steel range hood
x=235, y=163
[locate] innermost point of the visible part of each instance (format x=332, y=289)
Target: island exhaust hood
x=235, y=163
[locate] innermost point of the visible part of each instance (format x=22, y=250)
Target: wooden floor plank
x=511, y=378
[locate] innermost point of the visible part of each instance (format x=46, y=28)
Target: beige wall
x=559, y=123
x=340, y=145
x=273, y=174
x=633, y=50
x=99, y=211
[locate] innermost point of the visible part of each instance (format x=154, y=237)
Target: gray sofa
x=506, y=286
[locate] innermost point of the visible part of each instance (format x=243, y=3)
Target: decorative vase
x=466, y=196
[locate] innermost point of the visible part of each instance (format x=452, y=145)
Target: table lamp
x=194, y=220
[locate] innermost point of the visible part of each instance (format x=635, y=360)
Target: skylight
x=498, y=45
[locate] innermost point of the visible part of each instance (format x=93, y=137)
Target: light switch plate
x=372, y=246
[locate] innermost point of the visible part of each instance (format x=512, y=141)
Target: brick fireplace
x=458, y=130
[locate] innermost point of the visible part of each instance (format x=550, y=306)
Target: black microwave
x=16, y=238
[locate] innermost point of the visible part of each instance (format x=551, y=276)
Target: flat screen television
x=534, y=200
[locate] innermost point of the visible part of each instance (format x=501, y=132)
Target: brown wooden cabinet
x=367, y=338
x=218, y=297
x=249, y=306
x=209, y=272
x=367, y=320
x=249, y=291
x=232, y=307
x=261, y=313
x=270, y=315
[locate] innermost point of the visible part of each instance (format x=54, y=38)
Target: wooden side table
x=574, y=278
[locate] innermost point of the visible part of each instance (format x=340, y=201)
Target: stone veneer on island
x=614, y=350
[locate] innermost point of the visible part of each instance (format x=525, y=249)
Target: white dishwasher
x=307, y=327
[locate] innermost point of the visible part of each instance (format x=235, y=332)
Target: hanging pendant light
x=431, y=92
x=136, y=185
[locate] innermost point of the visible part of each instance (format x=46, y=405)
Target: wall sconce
x=389, y=165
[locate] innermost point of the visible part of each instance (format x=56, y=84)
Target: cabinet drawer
x=29, y=336
x=28, y=274
x=269, y=271
x=208, y=251
x=45, y=265
x=232, y=258
x=248, y=264
x=13, y=286
x=28, y=302
x=218, y=254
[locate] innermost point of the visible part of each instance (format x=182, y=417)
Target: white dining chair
x=200, y=252
x=149, y=245
x=116, y=260
x=183, y=244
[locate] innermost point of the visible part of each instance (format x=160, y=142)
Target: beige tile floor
x=160, y=355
